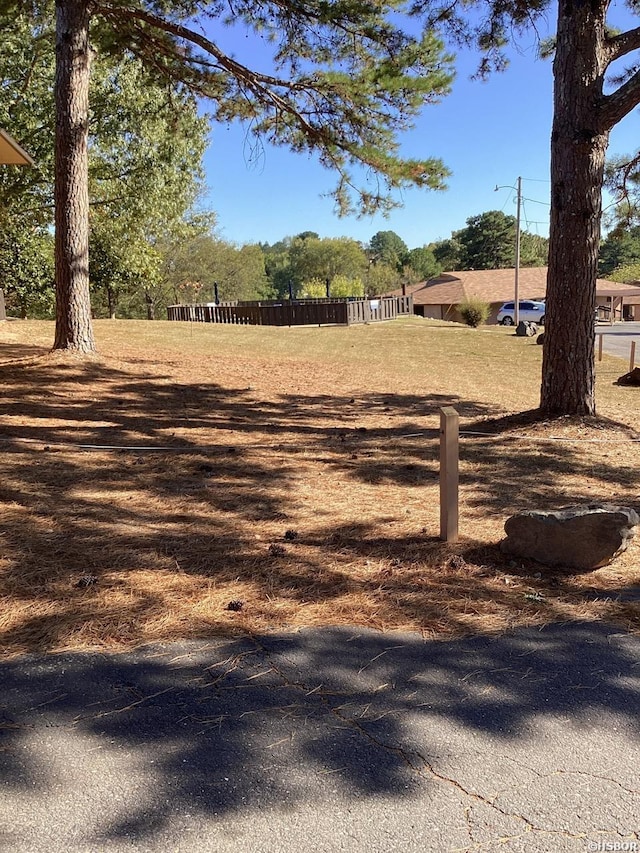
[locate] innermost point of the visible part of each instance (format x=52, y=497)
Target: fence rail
x=345, y=311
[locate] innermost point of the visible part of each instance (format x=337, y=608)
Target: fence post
x=632, y=357
x=600, y=347
x=3, y=313
x=449, y=433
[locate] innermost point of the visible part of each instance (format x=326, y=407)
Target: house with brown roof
x=440, y=297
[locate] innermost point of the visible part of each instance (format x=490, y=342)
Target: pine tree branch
x=226, y=63
x=262, y=86
x=348, y=116
x=616, y=106
x=623, y=43
x=621, y=176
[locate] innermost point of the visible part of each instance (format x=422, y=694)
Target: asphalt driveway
x=617, y=339
x=327, y=740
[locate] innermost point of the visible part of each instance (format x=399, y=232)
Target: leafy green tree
x=448, y=254
x=121, y=269
x=340, y=285
x=626, y=273
x=146, y=146
x=388, y=248
x=423, y=262
x=277, y=266
x=409, y=277
x=314, y=258
x=26, y=194
x=26, y=198
x=192, y=267
x=534, y=250
x=380, y=279
x=27, y=110
x=620, y=249
x=242, y=274
x=488, y=241
x=26, y=269
x=145, y=176
x=315, y=288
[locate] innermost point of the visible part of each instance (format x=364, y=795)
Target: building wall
x=622, y=310
x=447, y=312
x=432, y=312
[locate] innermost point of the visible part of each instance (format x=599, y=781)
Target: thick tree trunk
x=578, y=148
x=73, y=61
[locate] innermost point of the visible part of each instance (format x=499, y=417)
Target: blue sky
x=487, y=134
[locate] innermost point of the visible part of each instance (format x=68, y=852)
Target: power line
x=537, y=201
x=509, y=198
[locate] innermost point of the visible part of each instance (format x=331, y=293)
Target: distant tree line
x=309, y=264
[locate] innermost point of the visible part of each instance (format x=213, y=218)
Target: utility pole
x=516, y=303
x=516, y=300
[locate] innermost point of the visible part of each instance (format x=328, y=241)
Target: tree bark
x=578, y=147
x=74, y=330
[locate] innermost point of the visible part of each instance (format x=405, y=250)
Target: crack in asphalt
x=592, y=776
x=423, y=764
x=407, y=756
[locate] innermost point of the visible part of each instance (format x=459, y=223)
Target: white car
x=533, y=311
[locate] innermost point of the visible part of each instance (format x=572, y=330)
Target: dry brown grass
x=300, y=479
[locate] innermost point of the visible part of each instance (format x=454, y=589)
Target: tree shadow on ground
x=10, y=352
x=212, y=508
x=528, y=469
x=95, y=402
x=243, y=729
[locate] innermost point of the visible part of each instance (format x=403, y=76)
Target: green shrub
x=474, y=311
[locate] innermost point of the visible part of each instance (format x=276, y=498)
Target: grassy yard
x=296, y=483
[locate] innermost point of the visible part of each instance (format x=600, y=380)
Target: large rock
x=526, y=329
x=575, y=537
x=631, y=378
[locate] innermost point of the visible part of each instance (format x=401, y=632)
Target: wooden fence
x=300, y=312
